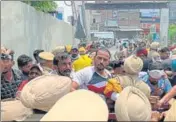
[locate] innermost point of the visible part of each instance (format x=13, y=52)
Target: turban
x=126, y=81
x=14, y=110
x=144, y=88
x=80, y=105
x=42, y=92
x=133, y=65
x=155, y=55
x=170, y=114
x=68, y=48
x=46, y=56
x=132, y=105
x=58, y=49
x=156, y=74
x=142, y=52
x=154, y=45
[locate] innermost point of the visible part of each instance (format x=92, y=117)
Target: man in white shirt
x=95, y=77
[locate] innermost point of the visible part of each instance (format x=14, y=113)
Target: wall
x=24, y=29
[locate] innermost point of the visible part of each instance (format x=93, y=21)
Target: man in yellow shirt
x=82, y=60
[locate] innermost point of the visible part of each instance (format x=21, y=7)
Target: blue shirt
x=164, y=84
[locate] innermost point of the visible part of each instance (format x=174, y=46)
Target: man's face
x=27, y=67
x=65, y=67
x=153, y=81
x=74, y=51
x=8, y=63
x=101, y=60
x=119, y=70
x=33, y=73
x=164, y=55
x=1, y=66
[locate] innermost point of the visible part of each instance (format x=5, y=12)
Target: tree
x=44, y=6
x=172, y=33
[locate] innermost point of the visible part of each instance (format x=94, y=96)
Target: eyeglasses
x=5, y=57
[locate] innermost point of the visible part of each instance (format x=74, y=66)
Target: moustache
x=101, y=65
x=154, y=83
x=66, y=72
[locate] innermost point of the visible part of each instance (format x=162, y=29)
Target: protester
x=33, y=73
x=154, y=46
x=10, y=78
x=117, y=67
x=94, y=77
x=74, y=53
x=142, y=53
x=164, y=53
x=63, y=65
x=157, y=80
x=24, y=64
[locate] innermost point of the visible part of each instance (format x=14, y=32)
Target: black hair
x=115, y=64
x=36, y=53
x=35, y=67
x=165, y=49
x=60, y=57
x=103, y=49
x=23, y=60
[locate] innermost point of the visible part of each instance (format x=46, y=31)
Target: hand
x=157, y=91
x=156, y=116
x=163, y=105
x=165, y=75
x=154, y=100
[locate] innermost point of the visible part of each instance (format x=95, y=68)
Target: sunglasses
x=5, y=57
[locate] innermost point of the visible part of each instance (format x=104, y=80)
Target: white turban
x=156, y=74
x=141, y=85
x=14, y=110
x=58, y=49
x=80, y=105
x=132, y=105
x=170, y=114
x=154, y=45
x=133, y=65
x=126, y=81
x=42, y=92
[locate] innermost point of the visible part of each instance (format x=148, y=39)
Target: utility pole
x=84, y=18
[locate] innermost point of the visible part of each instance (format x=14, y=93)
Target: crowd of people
x=139, y=85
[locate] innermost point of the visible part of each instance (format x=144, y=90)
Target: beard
x=154, y=82
x=100, y=67
x=65, y=73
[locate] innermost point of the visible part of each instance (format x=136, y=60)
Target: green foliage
x=172, y=33
x=45, y=6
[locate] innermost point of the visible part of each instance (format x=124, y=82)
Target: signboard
x=150, y=13
x=149, y=20
x=111, y=23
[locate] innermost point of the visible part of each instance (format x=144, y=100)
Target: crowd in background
x=140, y=75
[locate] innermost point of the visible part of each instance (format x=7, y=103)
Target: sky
x=67, y=9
